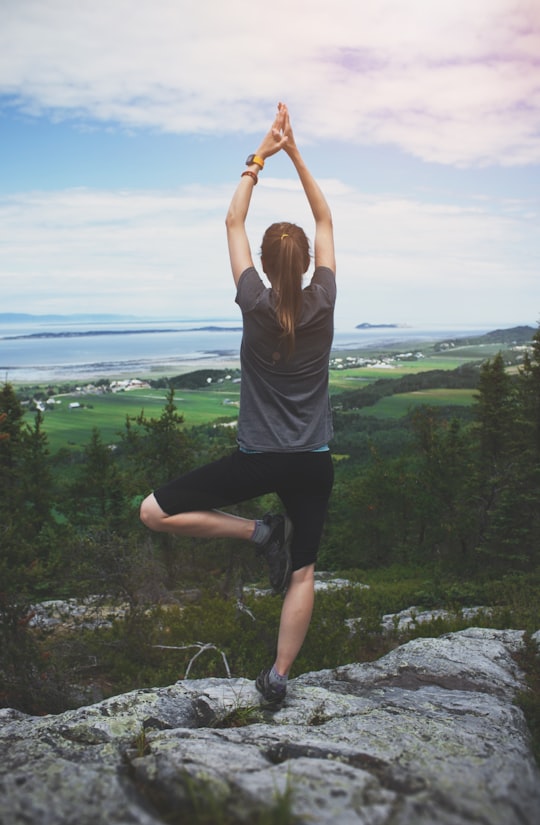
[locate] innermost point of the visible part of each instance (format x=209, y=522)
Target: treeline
x=456, y=495
x=196, y=380
x=463, y=377
x=444, y=488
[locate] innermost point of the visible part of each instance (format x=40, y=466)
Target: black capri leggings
x=303, y=482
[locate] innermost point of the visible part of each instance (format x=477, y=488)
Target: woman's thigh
x=236, y=477
x=303, y=482
x=305, y=493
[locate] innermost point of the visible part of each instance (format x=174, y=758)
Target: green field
x=355, y=377
x=71, y=427
x=352, y=379
x=67, y=427
x=396, y=406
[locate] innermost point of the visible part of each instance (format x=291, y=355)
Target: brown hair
x=285, y=258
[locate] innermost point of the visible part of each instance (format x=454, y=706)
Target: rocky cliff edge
x=429, y=734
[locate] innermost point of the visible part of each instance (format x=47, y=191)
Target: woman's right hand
x=283, y=114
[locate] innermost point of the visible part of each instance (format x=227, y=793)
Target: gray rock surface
x=427, y=735
x=414, y=616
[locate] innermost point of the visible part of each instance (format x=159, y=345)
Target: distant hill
x=24, y=317
x=196, y=380
x=514, y=335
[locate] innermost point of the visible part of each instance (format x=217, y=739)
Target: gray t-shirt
x=284, y=401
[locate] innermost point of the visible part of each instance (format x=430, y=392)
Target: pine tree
x=12, y=422
x=35, y=483
x=97, y=500
x=529, y=388
x=158, y=449
x=509, y=468
x=495, y=411
x=441, y=494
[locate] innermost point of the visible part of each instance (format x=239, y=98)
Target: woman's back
x=284, y=405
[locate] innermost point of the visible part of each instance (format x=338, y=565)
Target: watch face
x=249, y=160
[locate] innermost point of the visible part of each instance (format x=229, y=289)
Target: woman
x=285, y=419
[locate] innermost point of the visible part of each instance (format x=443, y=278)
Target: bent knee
x=151, y=514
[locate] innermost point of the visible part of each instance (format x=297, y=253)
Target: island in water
x=366, y=325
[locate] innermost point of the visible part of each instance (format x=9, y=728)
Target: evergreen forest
x=437, y=509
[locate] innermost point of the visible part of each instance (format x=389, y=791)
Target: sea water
x=40, y=350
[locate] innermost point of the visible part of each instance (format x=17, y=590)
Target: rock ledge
x=427, y=734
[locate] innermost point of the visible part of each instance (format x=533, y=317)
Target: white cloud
x=449, y=81
x=164, y=253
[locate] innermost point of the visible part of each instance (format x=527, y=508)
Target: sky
x=124, y=128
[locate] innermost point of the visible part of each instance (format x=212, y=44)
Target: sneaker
x=272, y=694
x=277, y=551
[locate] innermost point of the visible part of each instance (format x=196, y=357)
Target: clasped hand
x=279, y=136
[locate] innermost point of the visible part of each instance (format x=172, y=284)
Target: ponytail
x=285, y=258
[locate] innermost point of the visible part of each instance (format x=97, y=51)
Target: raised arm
x=324, y=231
x=239, y=249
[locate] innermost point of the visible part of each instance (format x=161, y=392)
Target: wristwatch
x=255, y=159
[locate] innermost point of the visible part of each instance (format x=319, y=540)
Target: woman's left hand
x=274, y=140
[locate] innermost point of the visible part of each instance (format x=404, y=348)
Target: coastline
x=55, y=374
x=38, y=363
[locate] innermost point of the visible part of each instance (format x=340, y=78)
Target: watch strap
x=255, y=159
